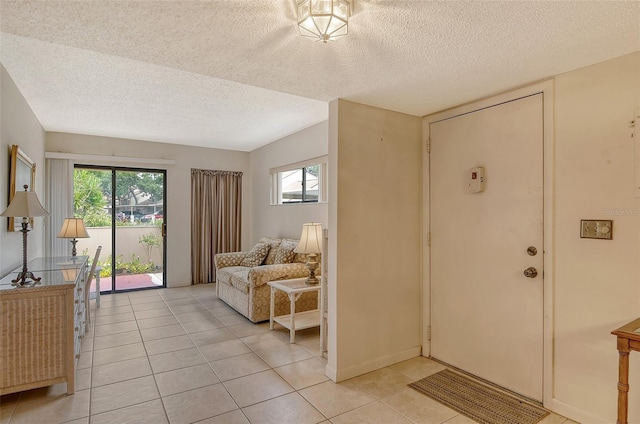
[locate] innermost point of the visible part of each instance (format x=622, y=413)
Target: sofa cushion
x=228, y=259
x=256, y=255
x=240, y=280
x=285, y=253
x=273, y=249
x=301, y=258
x=224, y=274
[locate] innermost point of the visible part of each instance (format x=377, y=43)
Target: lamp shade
x=69, y=274
x=25, y=204
x=73, y=228
x=310, y=239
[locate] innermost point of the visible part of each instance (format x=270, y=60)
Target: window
x=303, y=182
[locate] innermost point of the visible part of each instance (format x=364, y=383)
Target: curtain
x=216, y=206
x=59, y=203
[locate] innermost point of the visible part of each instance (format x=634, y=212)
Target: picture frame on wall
x=22, y=170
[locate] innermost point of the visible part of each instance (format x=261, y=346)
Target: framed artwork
x=22, y=172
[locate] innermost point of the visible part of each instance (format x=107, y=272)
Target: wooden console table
x=41, y=326
x=628, y=340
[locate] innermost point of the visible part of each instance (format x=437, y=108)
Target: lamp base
x=74, y=252
x=312, y=264
x=312, y=280
x=23, y=277
x=26, y=278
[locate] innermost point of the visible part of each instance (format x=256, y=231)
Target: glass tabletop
x=52, y=271
x=54, y=263
x=294, y=285
x=47, y=279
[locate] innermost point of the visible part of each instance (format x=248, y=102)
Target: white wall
x=375, y=200
x=597, y=282
x=285, y=220
x=178, y=198
x=19, y=125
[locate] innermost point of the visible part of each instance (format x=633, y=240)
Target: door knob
x=530, y=272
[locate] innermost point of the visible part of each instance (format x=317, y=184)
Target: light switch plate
x=596, y=229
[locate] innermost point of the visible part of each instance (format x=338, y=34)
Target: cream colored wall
x=285, y=220
x=19, y=125
x=178, y=199
x=375, y=223
x=597, y=282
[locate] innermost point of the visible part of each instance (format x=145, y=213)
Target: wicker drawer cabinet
x=42, y=326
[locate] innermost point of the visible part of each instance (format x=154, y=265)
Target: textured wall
x=178, y=197
x=19, y=125
x=374, y=230
x=285, y=220
x=597, y=282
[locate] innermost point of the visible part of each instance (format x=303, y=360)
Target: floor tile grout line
x=274, y=369
x=15, y=406
x=212, y=369
x=153, y=373
x=399, y=412
x=92, y=387
x=201, y=354
x=216, y=374
x=241, y=409
x=255, y=353
x=227, y=326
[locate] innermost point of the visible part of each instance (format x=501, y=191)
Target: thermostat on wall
x=475, y=180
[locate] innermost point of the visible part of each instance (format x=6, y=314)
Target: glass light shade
x=73, y=228
x=310, y=239
x=25, y=204
x=323, y=20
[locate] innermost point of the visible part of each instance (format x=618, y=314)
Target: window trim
x=276, y=181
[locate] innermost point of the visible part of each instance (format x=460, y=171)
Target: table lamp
x=311, y=244
x=25, y=204
x=73, y=228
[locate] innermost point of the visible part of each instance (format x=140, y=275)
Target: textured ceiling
x=237, y=75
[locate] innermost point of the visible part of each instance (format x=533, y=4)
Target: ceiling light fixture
x=323, y=20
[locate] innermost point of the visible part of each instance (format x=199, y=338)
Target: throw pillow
x=285, y=253
x=273, y=249
x=256, y=255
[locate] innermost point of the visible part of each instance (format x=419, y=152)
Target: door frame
x=114, y=169
x=546, y=88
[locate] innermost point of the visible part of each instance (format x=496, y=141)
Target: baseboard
x=574, y=413
x=330, y=372
x=174, y=285
x=372, y=365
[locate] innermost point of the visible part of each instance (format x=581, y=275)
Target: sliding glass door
x=124, y=212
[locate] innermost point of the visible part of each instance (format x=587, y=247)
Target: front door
x=486, y=315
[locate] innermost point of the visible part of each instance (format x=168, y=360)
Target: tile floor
x=182, y=356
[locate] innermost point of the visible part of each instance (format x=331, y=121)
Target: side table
x=628, y=339
x=295, y=321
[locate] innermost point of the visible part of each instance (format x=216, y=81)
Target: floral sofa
x=241, y=278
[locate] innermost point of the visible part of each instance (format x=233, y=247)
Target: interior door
x=486, y=315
